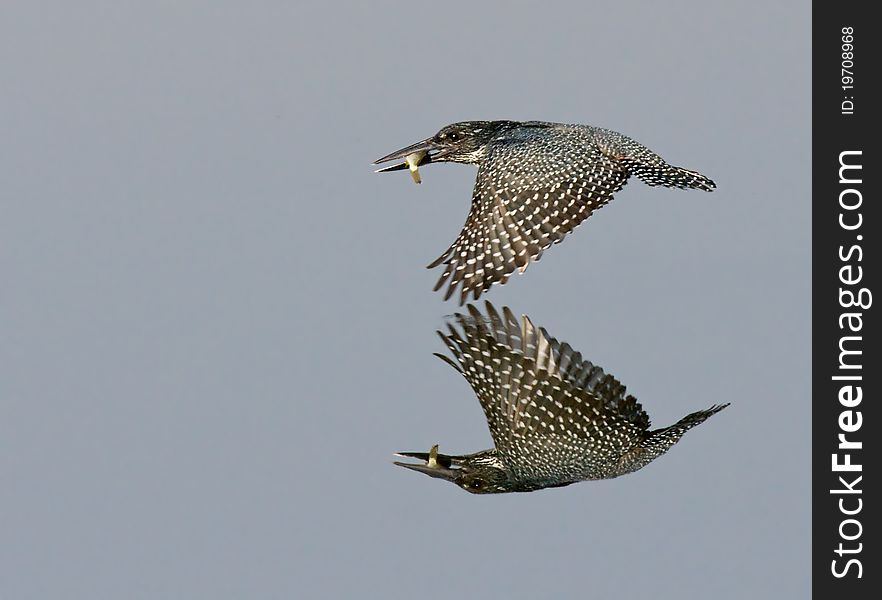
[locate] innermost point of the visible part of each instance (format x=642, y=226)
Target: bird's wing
x=547, y=408
x=528, y=195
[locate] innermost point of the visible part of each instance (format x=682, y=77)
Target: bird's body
x=555, y=418
x=536, y=182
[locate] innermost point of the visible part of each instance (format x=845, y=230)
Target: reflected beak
x=436, y=465
x=436, y=472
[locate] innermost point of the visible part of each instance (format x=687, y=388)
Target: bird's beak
x=431, y=149
x=436, y=465
x=436, y=472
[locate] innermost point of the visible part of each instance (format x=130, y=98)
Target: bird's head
x=480, y=473
x=464, y=142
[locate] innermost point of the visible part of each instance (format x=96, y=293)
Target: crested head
x=467, y=141
x=484, y=477
x=479, y=473
x=463, y=142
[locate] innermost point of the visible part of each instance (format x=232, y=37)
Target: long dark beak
x=427, y=146
x=436, y=472
x=436, y=465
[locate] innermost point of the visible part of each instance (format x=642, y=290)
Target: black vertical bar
x=845, y=268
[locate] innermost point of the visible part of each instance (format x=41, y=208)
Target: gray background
x=217, y=327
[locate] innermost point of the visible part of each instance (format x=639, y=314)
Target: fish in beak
x=411, y=157
x=436, y=465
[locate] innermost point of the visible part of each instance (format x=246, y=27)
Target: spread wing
x=550, y=412
x=529, y=193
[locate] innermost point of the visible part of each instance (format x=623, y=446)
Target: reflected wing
x=549, y=411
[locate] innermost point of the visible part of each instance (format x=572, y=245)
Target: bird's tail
x=696, y=418
x=658, y=442
x=669, y=176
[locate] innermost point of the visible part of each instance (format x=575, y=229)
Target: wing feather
x=528, y=195
x=546, y=407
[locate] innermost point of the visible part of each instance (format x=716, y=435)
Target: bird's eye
x=476, y=484
x=453, y=136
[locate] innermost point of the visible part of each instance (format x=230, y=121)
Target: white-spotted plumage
x=536, y=182
x=555, y=418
